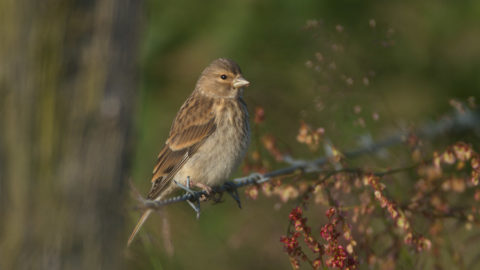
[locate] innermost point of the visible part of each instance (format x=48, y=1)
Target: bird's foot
x=207, y=189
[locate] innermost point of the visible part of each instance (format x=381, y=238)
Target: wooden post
x=68, y=83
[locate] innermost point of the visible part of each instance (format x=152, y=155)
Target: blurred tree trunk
x=67, y=92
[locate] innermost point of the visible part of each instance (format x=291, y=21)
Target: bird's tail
x=142, y=220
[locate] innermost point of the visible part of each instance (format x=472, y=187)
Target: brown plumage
x=208, y=137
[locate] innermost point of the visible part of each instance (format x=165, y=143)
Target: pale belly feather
x=220, y=154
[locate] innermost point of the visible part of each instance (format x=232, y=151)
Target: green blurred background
x=416, y=55
x=351, y=67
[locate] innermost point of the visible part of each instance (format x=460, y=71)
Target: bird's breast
x=222, y=151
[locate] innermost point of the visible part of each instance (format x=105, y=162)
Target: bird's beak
x=240, y=82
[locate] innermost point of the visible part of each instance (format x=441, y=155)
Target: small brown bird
x=208, y=137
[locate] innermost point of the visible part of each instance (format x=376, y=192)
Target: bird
x=208, y=138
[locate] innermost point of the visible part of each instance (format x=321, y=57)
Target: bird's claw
x=207, y=189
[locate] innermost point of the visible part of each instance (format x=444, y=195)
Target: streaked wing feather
x=162, y=177
x=190, y=136
x=191, y=128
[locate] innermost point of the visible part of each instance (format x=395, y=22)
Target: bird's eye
x=224, y=77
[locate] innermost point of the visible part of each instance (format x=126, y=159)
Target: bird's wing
x=194, y=123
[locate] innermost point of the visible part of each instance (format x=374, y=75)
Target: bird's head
x=222, y=78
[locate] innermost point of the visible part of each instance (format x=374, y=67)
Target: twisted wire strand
x=458, y=122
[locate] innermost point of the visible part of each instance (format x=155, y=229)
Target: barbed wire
x=458, y=122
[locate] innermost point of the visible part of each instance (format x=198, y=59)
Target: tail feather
x=142, y=220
